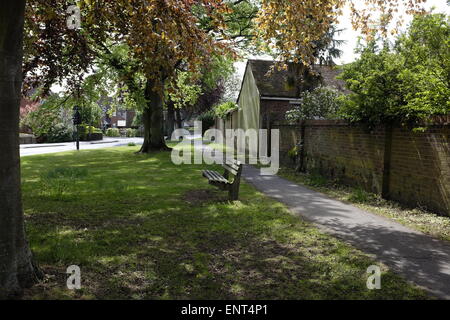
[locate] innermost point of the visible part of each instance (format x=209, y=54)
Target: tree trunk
x=179, y=120
x=146, y=119
x=170, y=123
x=17, y=270
x=153, y=118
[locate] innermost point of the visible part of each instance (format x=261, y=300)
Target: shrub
x=41, y=121
x=25, y=110
x=221, y=111
x=130, y=133
x=49, y=123
x=207, y=119
x=112, y=132
x=405, y=84
x=321, y=103
x=60, y=133
x=85, y=130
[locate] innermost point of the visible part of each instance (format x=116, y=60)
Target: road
x=43, y=148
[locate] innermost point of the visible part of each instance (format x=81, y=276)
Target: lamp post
x=76, y=122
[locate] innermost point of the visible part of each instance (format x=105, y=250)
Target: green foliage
x=122, y=78
x=185, y=91
x=84, y=130
x=137, y=120
x=91, y=115
x=374, y=82
x=222, y=110
x=426, y=75
x=49, y=122
x=240, y=21
x=41, y=120
x=130, y=133
x=219, y=69
x=320, y=103
x=112, y=132
x=293, y=153
x=359, y=195
x=92, y=91
x=317, y=180
x=406, y=84
x=60, y=132
x=207, y=119
x=199, y=91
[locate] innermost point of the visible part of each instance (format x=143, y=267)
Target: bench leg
x=233, y=192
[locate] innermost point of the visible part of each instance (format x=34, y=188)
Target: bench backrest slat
x=232, y=166
x=230, y=169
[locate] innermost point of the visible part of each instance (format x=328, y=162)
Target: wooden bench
x=232, y=168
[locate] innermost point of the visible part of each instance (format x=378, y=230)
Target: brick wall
x=419, y=162
x=289, y=137
x=274, y=109
x=420, y=168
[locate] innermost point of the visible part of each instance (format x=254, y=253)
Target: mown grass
x=416, y=218
x=140, y=227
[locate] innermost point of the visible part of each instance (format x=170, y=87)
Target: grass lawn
x=140, y=227
x=417, y=218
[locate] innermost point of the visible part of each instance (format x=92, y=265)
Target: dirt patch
x=201, y=196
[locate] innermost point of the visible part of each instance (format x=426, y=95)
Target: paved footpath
x=421, y=259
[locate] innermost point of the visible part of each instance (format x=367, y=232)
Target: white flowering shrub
x=321, y=103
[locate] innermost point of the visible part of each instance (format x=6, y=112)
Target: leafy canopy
x=292, y=29
x=407, y=83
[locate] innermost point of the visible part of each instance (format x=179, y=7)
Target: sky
x=351, y=36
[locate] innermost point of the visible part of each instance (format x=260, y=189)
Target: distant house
x=116, y=119
x=265, y=98
x=122, y=118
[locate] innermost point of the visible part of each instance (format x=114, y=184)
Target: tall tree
x=328, y=48
x=293, y=28
x=16, y=266
x=163, y=35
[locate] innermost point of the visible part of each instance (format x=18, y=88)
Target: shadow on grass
x=135, y=234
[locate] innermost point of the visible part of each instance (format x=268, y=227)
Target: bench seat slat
x=232, y=167
x=208, y=175
x=218, y=176
x=214, y=176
